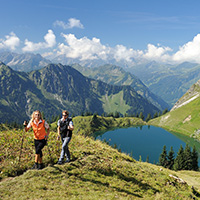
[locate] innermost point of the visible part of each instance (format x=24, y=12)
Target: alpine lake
x=146, y=143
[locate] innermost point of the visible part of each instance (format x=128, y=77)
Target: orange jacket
x=39, y=130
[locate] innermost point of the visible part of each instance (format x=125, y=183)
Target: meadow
x=97, y=171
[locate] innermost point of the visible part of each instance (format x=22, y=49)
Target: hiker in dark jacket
x=41, y=132
x=65, y=128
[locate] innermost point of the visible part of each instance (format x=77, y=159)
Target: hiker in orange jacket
x=41, y=132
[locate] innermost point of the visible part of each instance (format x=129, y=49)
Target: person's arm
x=47, y=135
x=48, y=130
x=27, y=126
x=58, y=132
x=71, y=126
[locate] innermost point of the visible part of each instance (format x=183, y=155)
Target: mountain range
x=166, y=81
x=116, y=75
x=57, y=87
x=23, y=62
x=170, y=82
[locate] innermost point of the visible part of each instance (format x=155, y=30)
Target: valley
x=97, y=170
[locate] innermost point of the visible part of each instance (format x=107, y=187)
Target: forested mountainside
x=116, y=75
x=164, y=82
x=170, y=82
x=57, y=87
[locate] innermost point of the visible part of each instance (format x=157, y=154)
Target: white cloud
x=11, y=42
x=189, y=51
x=120, y=52
x=157, y=53
x=91, y=49
x=83, y=48
x=72, y=22
x=50, y=41
x=86, y=49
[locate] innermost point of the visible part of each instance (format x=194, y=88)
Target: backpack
x=64, y=132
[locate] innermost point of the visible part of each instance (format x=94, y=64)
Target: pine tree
x=155, y=115
x=117, y=114
x=188, y=158
x=165, y=111
x=179, y=160
x=148, y=117
x=194, y=159
x=141, y=116
x=163, y=157
x=170, y=158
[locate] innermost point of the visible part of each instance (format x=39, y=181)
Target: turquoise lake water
x=146, y=141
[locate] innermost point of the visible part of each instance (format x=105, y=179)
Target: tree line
x=116, y=114
x=185, y=159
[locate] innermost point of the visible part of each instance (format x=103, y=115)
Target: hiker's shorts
x=39, y=145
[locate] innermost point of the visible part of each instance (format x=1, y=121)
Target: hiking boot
x=35, y=166
x=60, y=162
x=67, y=161
x=40, y=166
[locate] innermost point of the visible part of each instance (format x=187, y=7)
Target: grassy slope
x=115, y=102
x=88, y=125
x=97, y=171
x=184, y=120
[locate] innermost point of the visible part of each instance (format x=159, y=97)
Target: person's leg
x=35, y=166
x=60, y=160
x=65, y=149
x=39, y=148
x=37, y=158
x=67, y=140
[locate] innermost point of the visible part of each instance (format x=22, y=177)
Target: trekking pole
x=25, y=124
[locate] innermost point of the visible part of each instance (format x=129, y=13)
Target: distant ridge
x=23, y=62
x=116, y=75
x=57, y=87
x=166, y=81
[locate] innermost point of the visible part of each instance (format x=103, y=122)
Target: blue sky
x=161, y=30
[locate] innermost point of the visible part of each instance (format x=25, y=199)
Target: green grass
x=115, y=102
x=88, y=125
x=176, y=120
x=97, y=171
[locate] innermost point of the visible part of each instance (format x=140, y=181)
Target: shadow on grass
x=108, y=185
x=196, y=193
x=107, y=172
x=144, y=186
x=79, y=176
